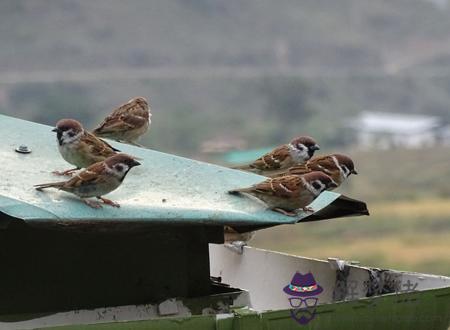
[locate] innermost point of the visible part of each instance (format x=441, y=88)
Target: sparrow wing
x=97, y=146
x=284, y=187
x=273, y=160
x=322, y=164
x=128, y=116
x=298, y=170
x=91, y=175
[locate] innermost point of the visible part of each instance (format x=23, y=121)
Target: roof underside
x=166, y=189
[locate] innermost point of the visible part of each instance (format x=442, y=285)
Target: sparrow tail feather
x=49, y=185
x=241, y=167
x=239, y=192
x=235, y=192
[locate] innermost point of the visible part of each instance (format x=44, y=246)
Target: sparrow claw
x=284, y=212
x=94, y=205
x=109, y=202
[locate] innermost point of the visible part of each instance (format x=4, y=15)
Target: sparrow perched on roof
x=97, y=180
x=338, y=166
x=288, y=193
x=126, y=123
x=79, y=147
x=298, y=151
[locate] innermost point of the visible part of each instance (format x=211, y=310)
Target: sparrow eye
x=119, y=168
x=316, y=185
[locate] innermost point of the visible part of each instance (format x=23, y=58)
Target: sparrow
x=127, y=123
x=79, y=147
x=97, y=180
x=288, y=193
x=298, y=151
x=338, y=166
x=232, y=235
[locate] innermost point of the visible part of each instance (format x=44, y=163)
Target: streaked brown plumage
x=79, y=147
x=97, y=180
x=338, y=166
x=289, y=193
x=126, y=123
x=297, y=151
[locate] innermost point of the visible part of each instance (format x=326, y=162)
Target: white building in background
x=382, y=130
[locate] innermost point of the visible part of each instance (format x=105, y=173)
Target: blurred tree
x=287, y=102
x=47, y=103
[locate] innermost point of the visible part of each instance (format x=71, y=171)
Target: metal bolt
x=23, y=149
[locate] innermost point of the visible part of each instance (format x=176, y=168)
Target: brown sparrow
x=126, y=123
x=231, y=235
x=98, y=179
x=79, y=147
x=288, y=193
x=298, y=151
x=338, y=166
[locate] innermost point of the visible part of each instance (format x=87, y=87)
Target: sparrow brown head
x=79, y=147
x=338, y=166
x=97, y=180
x=346, y=165
x=306, y=145
x=68, y=130
x=281, y=158
x=127, y=123
x=289, y=193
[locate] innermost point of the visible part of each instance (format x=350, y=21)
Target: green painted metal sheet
x=421, y=310
x=166, y=189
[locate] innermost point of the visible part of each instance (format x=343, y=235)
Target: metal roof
x=165, y=189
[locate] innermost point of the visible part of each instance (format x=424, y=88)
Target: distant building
x=382, y=130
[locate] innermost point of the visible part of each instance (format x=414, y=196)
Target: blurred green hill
x=325, y=34
x=258, y=70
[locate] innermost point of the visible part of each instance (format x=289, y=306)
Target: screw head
x=23, y=149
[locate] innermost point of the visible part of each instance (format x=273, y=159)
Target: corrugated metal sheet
x=166, y=189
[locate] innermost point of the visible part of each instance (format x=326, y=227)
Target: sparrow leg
x=108, y=201
x=68, y=172
x=94, y=205
x=289, y=214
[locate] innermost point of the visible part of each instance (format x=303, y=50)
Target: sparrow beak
x=56, y=129
x=315, y=147
x=135, y=163
x=354, y=172
x=333, y=184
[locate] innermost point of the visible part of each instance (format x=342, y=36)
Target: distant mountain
x=319, y=34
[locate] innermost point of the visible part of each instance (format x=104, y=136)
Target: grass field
x=402, y=235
